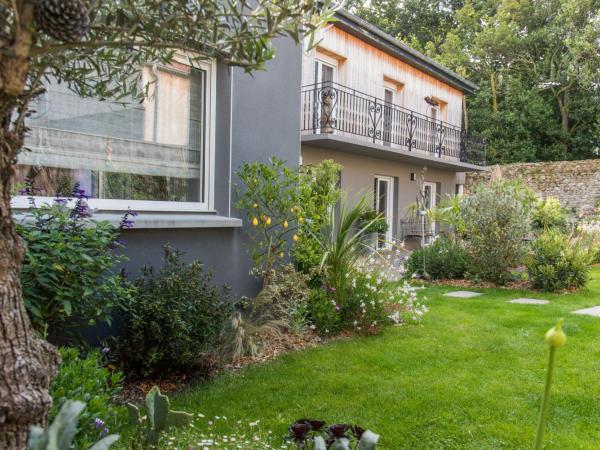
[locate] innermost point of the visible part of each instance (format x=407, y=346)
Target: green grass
x=469, y=377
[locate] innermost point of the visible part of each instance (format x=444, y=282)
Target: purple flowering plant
x=70, y=273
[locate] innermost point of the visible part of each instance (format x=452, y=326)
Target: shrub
x=496, y=224
x=377, y=223
x=270, y=197
x=85, y=379
x=175, y=319
x=445, y=258
x=323, y=311
x=67, y=272
x=318, y=195
x=365, y=305
x=558, y=261
x=549, y=213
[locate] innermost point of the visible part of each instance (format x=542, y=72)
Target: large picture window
x=154, y=155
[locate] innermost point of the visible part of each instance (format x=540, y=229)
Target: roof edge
x=387, y=43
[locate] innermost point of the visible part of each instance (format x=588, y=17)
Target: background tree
x=537, y=63
x=97, y=49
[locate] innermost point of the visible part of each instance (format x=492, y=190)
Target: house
x=362, y=98
x=391, y=117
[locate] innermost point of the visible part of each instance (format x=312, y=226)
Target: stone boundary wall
x=575, y=183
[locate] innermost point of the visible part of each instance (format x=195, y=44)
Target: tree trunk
x=27, y=363
x=494, y=91
x=565, y=106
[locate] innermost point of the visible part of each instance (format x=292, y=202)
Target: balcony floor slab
x=394, y=153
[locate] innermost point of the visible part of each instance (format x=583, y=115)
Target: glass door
x=429, y=196
x=325, y=90
x=434, y=113
x=388, y=111
x=384, y=204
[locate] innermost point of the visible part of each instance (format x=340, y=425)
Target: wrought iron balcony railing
x=332, y=108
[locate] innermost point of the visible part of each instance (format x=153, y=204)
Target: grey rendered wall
x=258, y=116
x=359, y=171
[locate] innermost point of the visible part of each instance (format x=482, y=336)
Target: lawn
x=470, y=376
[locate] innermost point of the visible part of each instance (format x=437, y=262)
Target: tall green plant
x=343, y=242
x=269, y=195
x=318, y=194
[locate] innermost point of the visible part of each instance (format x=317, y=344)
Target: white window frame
x=210, y=68
x=389, y=217
x=433, y=201
x=324, y=60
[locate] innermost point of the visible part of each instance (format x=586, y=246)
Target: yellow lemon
x=301, y=219
x=254, y=221
x=255, y=205
x=285, y=224
x=296, y=238
x=268, y=222
x=281, y=254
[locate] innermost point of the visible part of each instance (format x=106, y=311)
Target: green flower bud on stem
x=555, y=337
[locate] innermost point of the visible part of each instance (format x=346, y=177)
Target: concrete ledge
x=166, y=220
x=155, y=220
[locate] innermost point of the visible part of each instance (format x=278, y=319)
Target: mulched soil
x=481, y=284
x=134, y=391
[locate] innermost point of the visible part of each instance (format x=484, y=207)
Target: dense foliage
x=67, y=275
x=558, y=261
x=85, y=378
x=175, y=319
x=318, y=194
x=445, y=258
x=536, y=63
x=496, y=224
x=269, y=195
x=549, y=213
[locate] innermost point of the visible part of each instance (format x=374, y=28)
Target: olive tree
x=96, y=48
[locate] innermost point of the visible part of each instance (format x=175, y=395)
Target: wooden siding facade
x=365, y=68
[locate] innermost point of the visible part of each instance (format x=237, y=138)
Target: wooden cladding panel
x=364, y=68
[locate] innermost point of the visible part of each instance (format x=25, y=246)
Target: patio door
x=388, y=116
x=434, y=113
x=384, y=204
x=325, y=76
x=430, y=200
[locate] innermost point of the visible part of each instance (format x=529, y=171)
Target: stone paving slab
x=462, y=294
x=594, y=311
x=529, y=301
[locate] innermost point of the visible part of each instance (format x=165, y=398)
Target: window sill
x=155, y=220
x=174, y=220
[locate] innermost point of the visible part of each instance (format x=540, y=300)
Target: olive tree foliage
x=102, y=59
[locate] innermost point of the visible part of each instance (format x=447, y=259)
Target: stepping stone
x=462, y=294
x=594, y=311
x=529, y=301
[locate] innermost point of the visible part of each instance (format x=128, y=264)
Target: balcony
x=330, y=108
